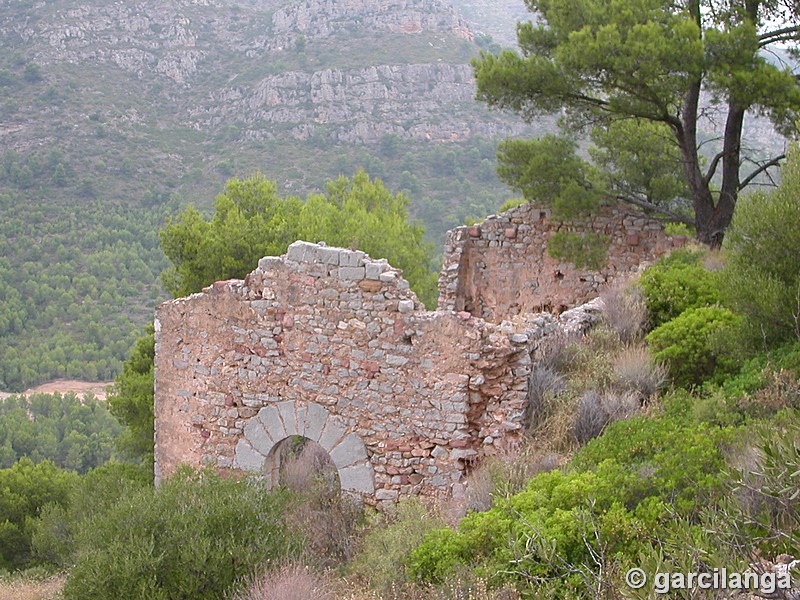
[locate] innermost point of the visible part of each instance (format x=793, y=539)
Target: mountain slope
x=113, y=115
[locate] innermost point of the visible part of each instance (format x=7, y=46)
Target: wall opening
x=302, y=465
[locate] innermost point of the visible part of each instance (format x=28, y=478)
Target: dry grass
x=308, y=466
x=32, y=589
x=507, y=473
x=625, y=311
x=290, y=582
x=596, y=411
x=475, y=589
x=638, y=372
x=327, y=519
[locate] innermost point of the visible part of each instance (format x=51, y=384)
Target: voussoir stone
x=350, y=450
x=259, y=439
x=273, y=425
x=247, y=458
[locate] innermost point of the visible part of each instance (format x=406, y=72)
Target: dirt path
x=63, y=386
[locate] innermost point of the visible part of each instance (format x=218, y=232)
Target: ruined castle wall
x=501, y=268
x=329, y=344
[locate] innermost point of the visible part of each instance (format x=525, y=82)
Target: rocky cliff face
x=364, y=68
x=355, y=105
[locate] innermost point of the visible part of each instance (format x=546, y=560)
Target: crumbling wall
x=501, y=268
x=328, y=344
x=332, y=345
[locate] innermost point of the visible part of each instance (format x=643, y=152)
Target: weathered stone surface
x=405, y=306
x=332, y=432
x=315, y=418
x=247, y=458
x=374, y=270
x=350, y=450
x=352, y=273
x=495, y=270
x=272, y=422
x=327, y=343
x=258, y=438
x=357, y=478
x=287, y=416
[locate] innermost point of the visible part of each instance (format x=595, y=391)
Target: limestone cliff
x=272, y=67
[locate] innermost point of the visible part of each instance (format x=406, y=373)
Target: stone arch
x=277, y=422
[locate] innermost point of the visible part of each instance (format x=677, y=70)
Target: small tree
x=251, y=221
x=131, y=398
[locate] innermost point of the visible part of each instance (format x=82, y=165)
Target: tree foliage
x=761, y=279
x=632, y=73
x=251, y=220
x=131, y=398
x=55, y=530
x=74, y=434
x=24, y=489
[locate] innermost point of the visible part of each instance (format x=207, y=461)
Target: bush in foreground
x=196, y=536
x=616, y=491
x=677, y=283
x=688, y=344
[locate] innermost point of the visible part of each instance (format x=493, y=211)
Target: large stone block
x=357, y=478
x=301, y=251
x=351, y=258
x=329, y=256
x=374, y=270
x=248, y=459
x=255, y=434
x=350, y=450
x=352, y=273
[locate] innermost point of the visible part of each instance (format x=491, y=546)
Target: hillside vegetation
x=114, y=116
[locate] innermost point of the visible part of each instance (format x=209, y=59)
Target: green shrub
x=759, y=512
x=196, y=536
x=681, y=459
x=617, y=490
x=761, y=279
x=24, y=489
x=537, y=533
x=677, y=283
x=53, y=533
x=385, y=548
x=438, y=555
x=689, y=345
x=754, y=373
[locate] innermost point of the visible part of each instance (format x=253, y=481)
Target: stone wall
x=334, y=346
x=331, y=345
x=500, y=268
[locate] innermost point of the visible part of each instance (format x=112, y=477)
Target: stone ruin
x=332, y=345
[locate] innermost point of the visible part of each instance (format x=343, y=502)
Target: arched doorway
x=302, y=465
x=274, y=424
